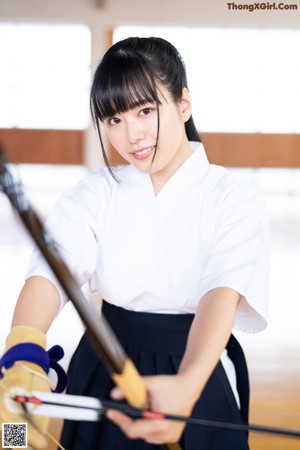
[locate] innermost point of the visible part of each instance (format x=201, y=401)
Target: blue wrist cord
x=37, y=355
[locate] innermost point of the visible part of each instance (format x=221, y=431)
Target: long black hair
x=128, y=76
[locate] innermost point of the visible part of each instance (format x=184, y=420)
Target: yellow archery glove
x=24, y=367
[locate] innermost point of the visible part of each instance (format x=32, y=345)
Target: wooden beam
x=253, y=150
x=43, y=146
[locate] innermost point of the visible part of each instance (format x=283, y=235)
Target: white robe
x=205, y=229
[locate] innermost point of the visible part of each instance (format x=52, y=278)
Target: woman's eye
x=146, y=111
x=113, y=121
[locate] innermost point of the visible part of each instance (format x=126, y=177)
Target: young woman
x=177, y=248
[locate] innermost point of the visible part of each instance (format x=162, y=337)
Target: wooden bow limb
x=75, y=407
x=101, y=335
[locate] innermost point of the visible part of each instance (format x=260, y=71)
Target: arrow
x=76, y=407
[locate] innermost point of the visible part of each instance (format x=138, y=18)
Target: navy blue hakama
x=156, y=344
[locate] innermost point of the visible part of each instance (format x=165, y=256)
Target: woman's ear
x=185, y=105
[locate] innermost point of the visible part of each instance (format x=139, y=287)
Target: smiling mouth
x=143, y=153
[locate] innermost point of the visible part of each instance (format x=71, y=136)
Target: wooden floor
x=275, y=402
x=273, y=355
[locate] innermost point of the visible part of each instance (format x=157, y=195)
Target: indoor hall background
x=274, y=355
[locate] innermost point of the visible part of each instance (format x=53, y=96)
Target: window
x=241, y=80
x=45, y=75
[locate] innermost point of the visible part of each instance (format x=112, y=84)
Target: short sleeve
x=74, y=224
x=239, y=254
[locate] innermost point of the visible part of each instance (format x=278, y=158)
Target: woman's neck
x=160, y=177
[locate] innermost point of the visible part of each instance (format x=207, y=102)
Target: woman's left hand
x=166, y=394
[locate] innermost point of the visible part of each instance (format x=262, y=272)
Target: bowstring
x=55, y=441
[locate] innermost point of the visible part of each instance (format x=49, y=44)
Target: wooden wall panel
x=253, y=150
x=43, y=146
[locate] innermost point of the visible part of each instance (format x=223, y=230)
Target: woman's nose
x=135, y=132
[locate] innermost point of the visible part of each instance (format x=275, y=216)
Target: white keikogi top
x=205, y=229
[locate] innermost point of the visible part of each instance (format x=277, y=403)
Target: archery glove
x=21, y=377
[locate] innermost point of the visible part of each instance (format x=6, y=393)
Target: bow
x=101, y=336
x=76, y=407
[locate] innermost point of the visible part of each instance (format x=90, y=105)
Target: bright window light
x=45, y=75
x=241, y=80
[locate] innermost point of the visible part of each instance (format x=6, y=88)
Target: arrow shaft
x=94, y=408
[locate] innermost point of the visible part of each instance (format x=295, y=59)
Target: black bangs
x=121, y=83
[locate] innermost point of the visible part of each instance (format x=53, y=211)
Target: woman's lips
x=143, y=153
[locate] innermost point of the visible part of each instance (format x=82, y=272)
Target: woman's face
x=133, y=134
